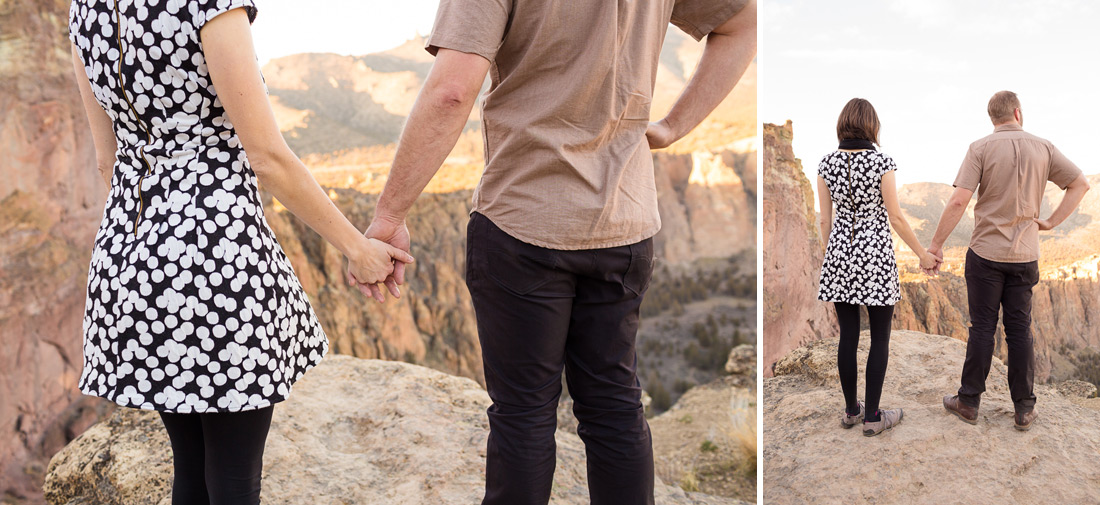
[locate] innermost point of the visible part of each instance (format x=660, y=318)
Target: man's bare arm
x=952, y=213
x=729, y=50
x=434, y=125
x=433, y=128
x=1074, y=193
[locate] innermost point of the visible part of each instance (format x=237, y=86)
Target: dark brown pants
x=992, y=286
x=540, y=311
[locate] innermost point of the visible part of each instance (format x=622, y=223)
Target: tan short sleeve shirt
x=1009, y=169
x=567, y=162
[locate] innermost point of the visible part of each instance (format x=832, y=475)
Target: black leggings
x=217, y=457
x=848, y=317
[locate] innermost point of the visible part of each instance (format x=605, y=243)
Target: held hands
x=931, y=260
x=396, y=236
x=372, y=262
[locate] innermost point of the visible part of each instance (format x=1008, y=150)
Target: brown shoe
x=886, y=419
x=965, y=412
x=847, y=421
x=1024, y=419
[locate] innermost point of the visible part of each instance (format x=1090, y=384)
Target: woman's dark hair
x=858, y=121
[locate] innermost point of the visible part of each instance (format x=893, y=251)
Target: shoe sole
x=960, y=416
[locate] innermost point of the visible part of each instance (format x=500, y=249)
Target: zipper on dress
x=851, y=199
x=130, y=105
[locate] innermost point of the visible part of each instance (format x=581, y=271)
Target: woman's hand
x=370, y=262
x=930, y=263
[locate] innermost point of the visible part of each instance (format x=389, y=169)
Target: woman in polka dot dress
x=193, y=309
x=857, y=182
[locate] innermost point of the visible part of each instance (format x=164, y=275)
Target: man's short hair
x=858, y=120
x=1002, y=107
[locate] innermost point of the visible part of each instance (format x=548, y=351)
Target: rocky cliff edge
x=931, y=457
x=354, y=431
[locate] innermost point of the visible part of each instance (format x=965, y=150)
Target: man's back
x=1010, y=169
x=567, y=162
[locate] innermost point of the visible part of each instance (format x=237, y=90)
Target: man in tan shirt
x=559, y=244
x=1009, y=169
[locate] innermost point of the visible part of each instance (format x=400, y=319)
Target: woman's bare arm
x=103, y=131
x=900, y=224
x=825, y=203
x=230, y=57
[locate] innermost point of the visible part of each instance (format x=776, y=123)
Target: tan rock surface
x=354, y=431
x=792, y=253
x=707, y=440
x=931, y=457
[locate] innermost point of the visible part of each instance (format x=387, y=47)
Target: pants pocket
x=640, y=271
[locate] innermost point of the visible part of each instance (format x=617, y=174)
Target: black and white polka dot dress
x=192, y=305
x=859, y=266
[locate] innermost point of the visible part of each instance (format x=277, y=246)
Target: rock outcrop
x=931, y=457
x=707, y=440
x=792, y=253
x=354, y=431
x=51, y=199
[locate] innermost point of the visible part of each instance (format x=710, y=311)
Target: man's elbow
x=451, y=98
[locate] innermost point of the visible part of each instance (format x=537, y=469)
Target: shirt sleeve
x=202, y=11
x=970, y=173
x=700, y=17
x=470, y=26
x=1062, y=170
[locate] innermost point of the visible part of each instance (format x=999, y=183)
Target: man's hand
x=936, y=251
x=396, y=235
x=660, y=134
x=1044, y=224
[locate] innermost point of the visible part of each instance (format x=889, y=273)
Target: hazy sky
x=929, y=68
x=338, y=26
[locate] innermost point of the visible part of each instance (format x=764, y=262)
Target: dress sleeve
x=470, y=26
x=888, y=165
x=700, y=17
x=204, y=10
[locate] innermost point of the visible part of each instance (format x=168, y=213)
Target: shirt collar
x=1008, y=128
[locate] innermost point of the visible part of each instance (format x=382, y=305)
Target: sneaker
x=847, y=421
x=886, y=419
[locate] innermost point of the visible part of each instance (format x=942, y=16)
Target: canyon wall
x=792, y=253
x=51, y=199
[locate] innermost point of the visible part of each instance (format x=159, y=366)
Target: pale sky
x=351, y=27
x=929, y=68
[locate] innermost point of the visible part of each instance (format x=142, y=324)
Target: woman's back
x=192, y=304
x=159, y=93
x=855, y=180
x=859, y=266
